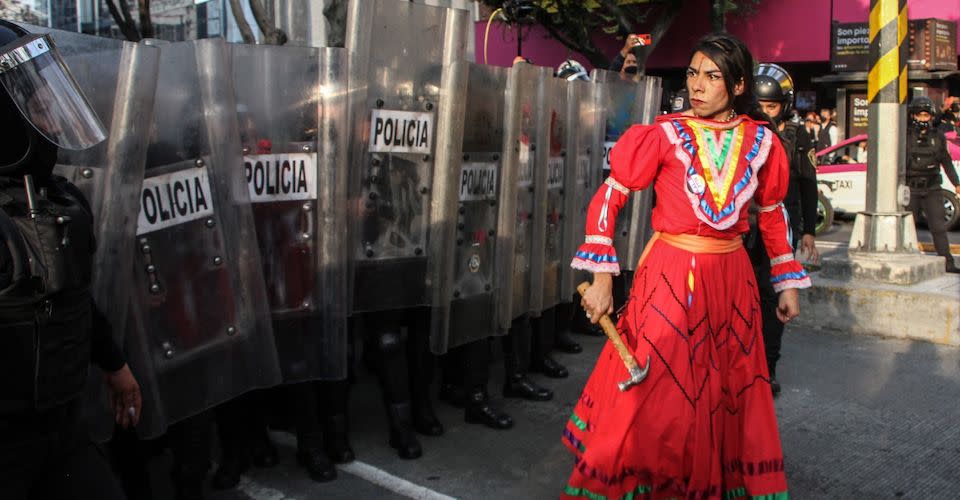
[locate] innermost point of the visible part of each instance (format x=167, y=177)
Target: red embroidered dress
x=702, y=424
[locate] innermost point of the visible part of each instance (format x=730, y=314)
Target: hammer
x=636, y=373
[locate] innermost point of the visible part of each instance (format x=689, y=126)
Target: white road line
x=393, y=483
x=368, y=473
x=257, y=491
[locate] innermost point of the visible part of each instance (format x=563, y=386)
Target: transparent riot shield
x=465, y=309
x=399, y=57
x=119, y=80
x=200, y=317
x=626, y=103
x=292, y=116
x=583, y=162
x=515, y=220
x=549, y=194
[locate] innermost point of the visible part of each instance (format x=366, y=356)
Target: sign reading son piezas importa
x=172, y=199
x=281, y=177
x=401, y=131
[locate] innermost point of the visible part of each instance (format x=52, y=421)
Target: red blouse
x=705, y=174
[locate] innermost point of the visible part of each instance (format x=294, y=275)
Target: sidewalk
x=928, y=311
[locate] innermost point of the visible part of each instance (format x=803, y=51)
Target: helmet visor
x=38, y=81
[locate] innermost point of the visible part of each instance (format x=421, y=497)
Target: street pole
x=884, y=227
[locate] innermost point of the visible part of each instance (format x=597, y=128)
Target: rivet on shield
x=246, y=150
x=493, y=203
x=418, y=251
x=466, y=157
x=306, y=148
x=87, y=173
x=143, y=241
x=424, y=190
x=459, y=241
x=474, y=263
x=151, y=269
x=210, y=222
x=460, y=226
x=200, y=163
x=486, y=287
x=379, y=103
x=231, y=330
x=563, y=154
x=369, y=252
x=167, y=350
x=428, y=106
x=463, y=210
x=305, y=236
x=145, y=248
x=533, y=147
x=623, y=233
x=456, y=294
x=589, y=150
x=217, y=260
x=496, y=157
x=154, y=288
x=307, y=207
x=372, y=195
x=426, y=158
x=491, y=232
x=306, y=304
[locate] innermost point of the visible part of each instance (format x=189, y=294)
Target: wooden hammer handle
x=611, y=330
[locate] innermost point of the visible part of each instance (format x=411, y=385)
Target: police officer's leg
x=26, y=444
x=474, y=369
x=131, y=455
x=80, y=470
x=452, y=388
x=232, y=432
x=334, y=402
x=932, y=202
x=388, y=346
x=772, y=327
x=543, y=330
x=190, y=441
x=563, y=341
x=516, y=349
x=302, y=402
x=421, y=362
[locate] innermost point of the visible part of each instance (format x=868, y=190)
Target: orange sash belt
x=693, y=244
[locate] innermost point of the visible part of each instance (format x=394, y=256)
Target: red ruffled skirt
x=702, y=424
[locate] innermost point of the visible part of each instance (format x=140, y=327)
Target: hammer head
x=637, y=375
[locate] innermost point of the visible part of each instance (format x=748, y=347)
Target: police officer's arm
x=947, y=162
x=104, y=352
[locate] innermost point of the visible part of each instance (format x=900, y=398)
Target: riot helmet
x=571, y=70
x=42, y=106
x=772, y=83
x=680, y=101
x=922, y=104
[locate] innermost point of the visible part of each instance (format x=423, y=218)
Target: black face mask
x=920, y=126
x=631, y=70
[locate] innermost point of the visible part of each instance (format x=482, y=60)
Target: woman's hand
x=789, y=305
x=808, y=248
x=598, y=299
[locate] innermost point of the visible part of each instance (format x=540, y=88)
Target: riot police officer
x=52, y=329
x=926, y=155
x=773, y=87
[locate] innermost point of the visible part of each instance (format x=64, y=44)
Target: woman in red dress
x=702, y=424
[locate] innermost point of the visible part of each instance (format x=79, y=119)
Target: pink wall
x=778, y=31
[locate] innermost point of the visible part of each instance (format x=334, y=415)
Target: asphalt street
x=860, y=417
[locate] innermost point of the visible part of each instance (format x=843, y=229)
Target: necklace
x=730, y=116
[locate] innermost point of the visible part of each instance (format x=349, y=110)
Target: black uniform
x=926, y=155
x=801, y=204
x=52, y=331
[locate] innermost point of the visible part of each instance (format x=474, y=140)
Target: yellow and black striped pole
x=882, y=227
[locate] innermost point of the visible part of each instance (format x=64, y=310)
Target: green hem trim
x=578, y=422
x=742, y=493
x=585, y=493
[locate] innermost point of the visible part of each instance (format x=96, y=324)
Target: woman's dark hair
x=736, y=63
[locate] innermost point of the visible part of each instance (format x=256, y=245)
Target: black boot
x=518, y=385
x=190, y=441
x=338, y=440
x=262, y=451
x=479, y=411
x=774, y=384
x=549, y=367
x=310, y=456
x=231, y=466
x=566, y=344
x=952, y=266
x=421, y=369
x=542, y=341
x=452, y=394
x=402, y=437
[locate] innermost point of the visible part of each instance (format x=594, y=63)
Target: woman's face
x=708, y=91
